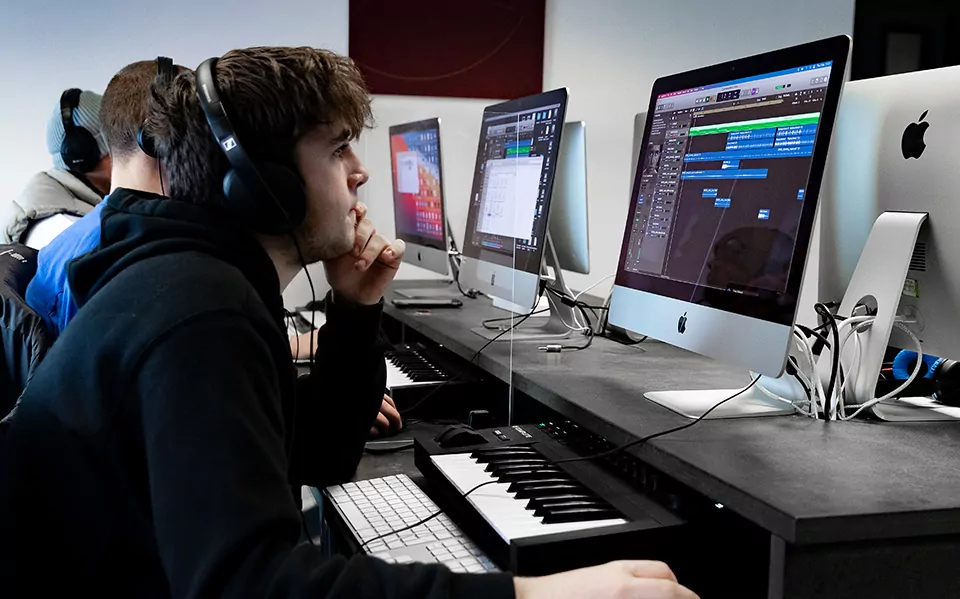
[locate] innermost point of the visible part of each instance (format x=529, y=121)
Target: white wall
x=607, y=52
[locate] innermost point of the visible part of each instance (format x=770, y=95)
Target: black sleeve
x=225, y=520
x=338, y=403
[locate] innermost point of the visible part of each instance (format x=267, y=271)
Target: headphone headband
x=69, y=101
x=226, y=136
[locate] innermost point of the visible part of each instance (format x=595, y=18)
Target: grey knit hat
x=86, y=115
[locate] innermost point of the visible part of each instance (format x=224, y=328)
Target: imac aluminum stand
x=554, y=329
x=751, y=403
x=877, y=283
x=450, y=289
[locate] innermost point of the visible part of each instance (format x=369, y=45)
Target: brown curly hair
x=274, y=96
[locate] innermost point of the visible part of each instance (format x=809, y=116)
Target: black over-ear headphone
x=79, y=148
x=165, y=72
x=268, y=196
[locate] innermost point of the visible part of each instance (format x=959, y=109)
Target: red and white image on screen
x=416, y=183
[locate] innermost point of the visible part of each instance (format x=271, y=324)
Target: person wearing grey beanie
x=54, y=199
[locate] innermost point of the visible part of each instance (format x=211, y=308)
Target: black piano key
x=489, y=455
x=546, y=508
x=555, y=488
x=579, y=515
x=511, y=476
x=553, y=500
x=498, y=465
x=515, y=461
x=538, y=501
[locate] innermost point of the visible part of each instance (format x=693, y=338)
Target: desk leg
x=913, y=568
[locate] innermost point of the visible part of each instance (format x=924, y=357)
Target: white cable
x=901, y=388
x=576, y=297
x=582, y=327
x=816, y=386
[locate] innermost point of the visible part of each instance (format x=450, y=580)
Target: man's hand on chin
x=363, y=274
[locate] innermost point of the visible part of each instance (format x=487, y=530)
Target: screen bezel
x=532, y=260
x=778, y=308
x=427, y=242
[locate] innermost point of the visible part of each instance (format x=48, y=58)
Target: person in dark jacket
x=157, y=451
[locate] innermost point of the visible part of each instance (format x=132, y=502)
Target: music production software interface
x=722, y=182
x=416, y=185
x=508, y=204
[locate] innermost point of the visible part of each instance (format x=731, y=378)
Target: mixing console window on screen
x=724, y=170
x=518, y=153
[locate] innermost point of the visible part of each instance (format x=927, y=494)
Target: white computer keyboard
x=382, y=505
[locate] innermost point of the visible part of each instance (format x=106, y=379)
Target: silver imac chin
x=512, y=289
x=761, y=346
x=430, y=258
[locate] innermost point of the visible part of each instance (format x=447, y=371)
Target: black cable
x=424, y=521
x=485, y=323
x=313, y=295
x=823, y=311
x=615, y=450
x=420, y=402
x=815, y=333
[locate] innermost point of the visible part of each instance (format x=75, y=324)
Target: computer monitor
x=509, y=203
x=418, y=193
x=722, y=210
x=895, y=150
x=569, y=224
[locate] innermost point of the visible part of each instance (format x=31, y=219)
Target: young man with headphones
x=80, y=177
x=158, y=448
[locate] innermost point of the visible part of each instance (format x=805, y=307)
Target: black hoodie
x=156, y=450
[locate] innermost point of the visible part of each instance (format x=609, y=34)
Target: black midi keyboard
x=534, y=517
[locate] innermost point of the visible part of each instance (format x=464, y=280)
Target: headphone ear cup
x=145, y=143
x=80, y=150
x=256, y=206
x=948, y=383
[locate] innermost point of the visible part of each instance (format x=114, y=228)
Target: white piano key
x=499, y=507
x=397, y=378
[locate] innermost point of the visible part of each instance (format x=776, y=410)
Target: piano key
x=526, y=475
x=577, y=515
x=548, y=502
x=514, y=462
x=502, y=509
x=489, y=455
x=590, y=503
x=551, y=486
x=537, y=501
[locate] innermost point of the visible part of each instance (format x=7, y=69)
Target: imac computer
x=895, y=151
x=722, y=210
x=509, y=206
x=418, y=205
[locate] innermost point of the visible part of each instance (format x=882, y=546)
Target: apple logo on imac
x=912, y=144
x=682, y=324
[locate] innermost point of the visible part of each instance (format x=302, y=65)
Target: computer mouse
x=459, y=435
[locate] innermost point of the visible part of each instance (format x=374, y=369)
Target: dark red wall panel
x=455, y=48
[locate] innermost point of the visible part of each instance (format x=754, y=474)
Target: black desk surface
x=805, y=481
